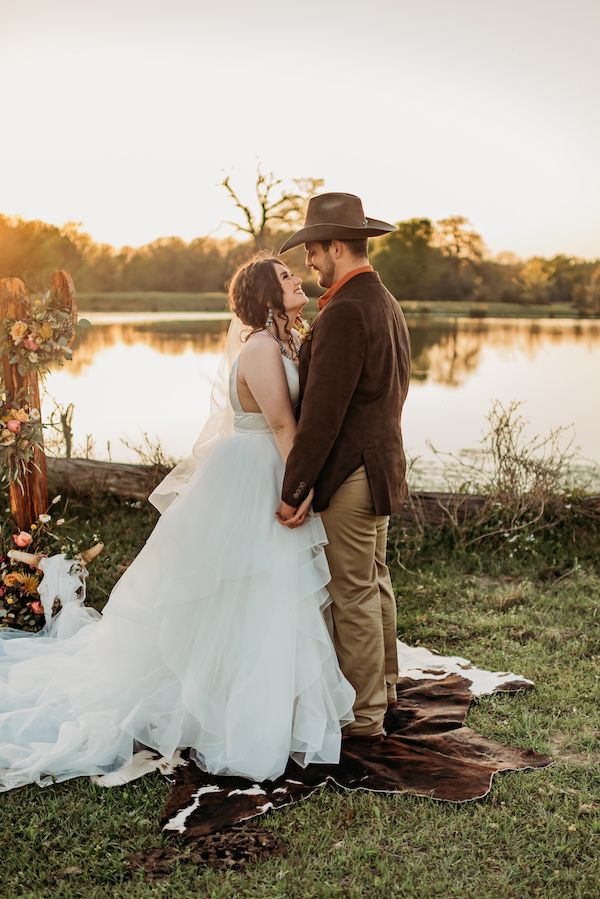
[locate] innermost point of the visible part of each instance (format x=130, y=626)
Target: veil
x=218, y=425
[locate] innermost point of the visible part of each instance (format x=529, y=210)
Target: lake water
x=136, y=373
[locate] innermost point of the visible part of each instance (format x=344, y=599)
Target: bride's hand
x=301, y=512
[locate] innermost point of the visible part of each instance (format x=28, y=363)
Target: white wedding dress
x=214, y=639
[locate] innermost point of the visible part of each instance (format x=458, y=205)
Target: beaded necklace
x=291, y=351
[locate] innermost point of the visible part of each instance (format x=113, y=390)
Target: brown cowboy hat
x=336, y=217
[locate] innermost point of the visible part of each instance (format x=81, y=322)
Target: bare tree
x=456, y=237
x=278, y=205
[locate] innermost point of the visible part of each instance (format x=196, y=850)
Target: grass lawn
x=471, y=309
x=140, y=301
x=533, y=610
x=150, y=301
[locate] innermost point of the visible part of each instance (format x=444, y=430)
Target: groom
x=354, y=375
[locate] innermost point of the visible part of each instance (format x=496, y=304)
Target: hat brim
x=330, y=231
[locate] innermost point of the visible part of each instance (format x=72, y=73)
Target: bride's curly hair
x=253, y=289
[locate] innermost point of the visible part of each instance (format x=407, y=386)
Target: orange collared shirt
x=331, y=291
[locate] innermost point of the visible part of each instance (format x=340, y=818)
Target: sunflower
x=29, y=585
x=45, y=331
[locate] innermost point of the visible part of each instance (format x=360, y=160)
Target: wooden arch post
x=28, y=501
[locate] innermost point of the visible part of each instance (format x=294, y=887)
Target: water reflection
x=151, y=373
x=447, y=351
x=173, y=338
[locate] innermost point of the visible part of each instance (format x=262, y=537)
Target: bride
x=214, y=638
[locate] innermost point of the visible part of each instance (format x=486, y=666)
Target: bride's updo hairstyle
x=254, y=289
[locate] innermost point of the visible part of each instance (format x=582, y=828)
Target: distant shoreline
x=157, y=301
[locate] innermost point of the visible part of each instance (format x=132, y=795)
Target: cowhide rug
x=428, y=751
x=229, y=850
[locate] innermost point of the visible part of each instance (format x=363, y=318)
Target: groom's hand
x=285, y=513
x=291, y=517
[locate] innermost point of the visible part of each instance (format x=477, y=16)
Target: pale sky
x=125, y=114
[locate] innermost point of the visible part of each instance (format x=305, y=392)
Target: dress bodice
x=256, y=422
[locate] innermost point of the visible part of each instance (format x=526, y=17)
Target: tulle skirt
x=214, y=638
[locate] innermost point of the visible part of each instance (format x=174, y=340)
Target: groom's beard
x=326, y=275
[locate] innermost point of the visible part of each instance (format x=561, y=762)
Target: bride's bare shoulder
x=259, y=346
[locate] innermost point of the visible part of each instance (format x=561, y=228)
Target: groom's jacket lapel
x=354, y=374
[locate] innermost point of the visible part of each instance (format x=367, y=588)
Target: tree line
x=421, y=260
x=447, y=260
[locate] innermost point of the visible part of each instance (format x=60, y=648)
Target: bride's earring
x=269, y=321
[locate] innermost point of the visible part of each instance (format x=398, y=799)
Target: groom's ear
x=336, y=248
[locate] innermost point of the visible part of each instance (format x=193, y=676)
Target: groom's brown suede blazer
x=354, y=375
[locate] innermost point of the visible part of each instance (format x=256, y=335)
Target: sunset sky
x=124, y=116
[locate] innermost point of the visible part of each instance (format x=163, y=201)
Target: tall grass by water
x=151, y=301
x=156, y=301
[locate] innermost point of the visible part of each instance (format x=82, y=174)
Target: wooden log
x=435, y=508
x=31, y=499
x=86, y=477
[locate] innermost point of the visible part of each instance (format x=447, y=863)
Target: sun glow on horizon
x=130, y=131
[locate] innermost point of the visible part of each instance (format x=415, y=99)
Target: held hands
x=291, y=517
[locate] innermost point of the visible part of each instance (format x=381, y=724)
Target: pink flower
x=2, y=592
x=23, y=539
x=37, y=607
x=30, y=344
x=14, y=425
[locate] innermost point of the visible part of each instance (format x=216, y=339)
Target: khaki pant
x=363, y=609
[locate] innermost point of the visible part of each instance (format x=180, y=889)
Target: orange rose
x=12, y=579
x=18, y=331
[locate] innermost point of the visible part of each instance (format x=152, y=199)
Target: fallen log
x=88, y=476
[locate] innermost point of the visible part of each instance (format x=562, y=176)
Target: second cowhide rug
x=428, y=751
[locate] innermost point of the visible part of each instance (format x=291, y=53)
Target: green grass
x=156, y=301
x=151, y=301
x=536, y=835
x=140, y=301
x=466, y=309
